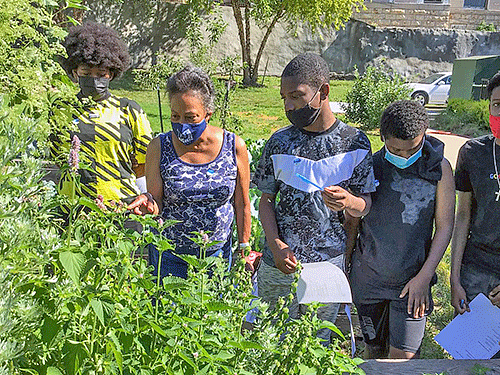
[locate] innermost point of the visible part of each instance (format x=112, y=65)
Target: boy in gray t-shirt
x=305, y=223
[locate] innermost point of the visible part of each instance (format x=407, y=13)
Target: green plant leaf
x=158, y=329
x=103, y=309
x=74, y=354
x=224, y=355
x=331, y=326
x=190, y=259
x=220, y=306
x=117, y=354
x=49, y=329
x=305, y=370
x=53, y=371
x=84, y=201
x=188, y=360
x=245, y=345
x=73, y=264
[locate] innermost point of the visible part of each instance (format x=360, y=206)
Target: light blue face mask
x=401, y=162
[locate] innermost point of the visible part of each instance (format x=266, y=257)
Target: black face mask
x=97, y=88
x=304, y=116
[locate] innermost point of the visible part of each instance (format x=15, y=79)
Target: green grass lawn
x=261, y=112
x=259, y=108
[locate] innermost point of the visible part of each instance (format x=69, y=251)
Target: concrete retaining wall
x=410, y=52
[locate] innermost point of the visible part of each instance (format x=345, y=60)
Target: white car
x=433, y=89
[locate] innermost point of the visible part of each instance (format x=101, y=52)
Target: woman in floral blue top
x=196, y=174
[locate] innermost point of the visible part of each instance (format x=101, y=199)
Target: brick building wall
x=433, y=15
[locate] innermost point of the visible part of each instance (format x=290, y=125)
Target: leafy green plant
x=78, y=301
x=371, y=94
x=483, y=26
x=465, y=117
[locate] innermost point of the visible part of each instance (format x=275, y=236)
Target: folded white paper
x=323, y=282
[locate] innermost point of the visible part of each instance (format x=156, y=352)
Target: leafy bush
x=465, y=117
x=74, y=299
x=371, y=94
x=105, y=312
x=483, y=26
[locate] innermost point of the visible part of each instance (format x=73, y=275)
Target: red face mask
x=495, y=125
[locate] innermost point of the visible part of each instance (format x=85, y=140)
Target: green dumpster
x=471, y=74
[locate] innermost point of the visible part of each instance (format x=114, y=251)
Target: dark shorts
x=476, y=280
x=387, y=323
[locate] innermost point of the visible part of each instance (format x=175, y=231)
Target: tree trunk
x=247, y=81
x=255, y=71
x=245, y=59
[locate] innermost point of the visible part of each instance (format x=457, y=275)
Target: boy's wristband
x=244, y=245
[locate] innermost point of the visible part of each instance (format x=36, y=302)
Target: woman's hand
x=144, y=204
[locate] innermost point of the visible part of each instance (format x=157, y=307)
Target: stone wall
x=410, y=52
x=469, y=19
x=405, y=15
x=434, y=16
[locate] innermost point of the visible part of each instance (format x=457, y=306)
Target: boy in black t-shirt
x=404, y=236
x=475, y=265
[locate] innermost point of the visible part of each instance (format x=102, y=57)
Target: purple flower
x=74, y=154
x=195, y=355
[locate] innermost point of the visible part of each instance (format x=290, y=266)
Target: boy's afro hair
x=95, y=44
x=404, y=119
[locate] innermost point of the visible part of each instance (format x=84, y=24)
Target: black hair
x=192, y=78
x=404, y=119
x=95, y=44
x=493, y=84
x=309, y=68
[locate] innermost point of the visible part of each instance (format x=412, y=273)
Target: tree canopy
x=267, y=13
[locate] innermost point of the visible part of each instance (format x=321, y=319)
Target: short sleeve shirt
x=339, y=156
x=475, y=173
x=114, y=135
x=396, y=235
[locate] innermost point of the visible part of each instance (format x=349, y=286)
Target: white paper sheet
x=323, y=282
x=474, y=334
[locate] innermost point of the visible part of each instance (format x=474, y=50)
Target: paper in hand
x=323, y=282
x=474, y=334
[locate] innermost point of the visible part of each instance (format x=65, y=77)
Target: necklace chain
x=496, y=169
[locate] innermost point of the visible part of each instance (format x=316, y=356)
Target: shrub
x=483, y=26
x=371, y=94
x=465, y=117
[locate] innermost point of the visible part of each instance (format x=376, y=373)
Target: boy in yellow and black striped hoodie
x=113, y=132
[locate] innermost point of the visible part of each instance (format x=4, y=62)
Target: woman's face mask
x=189, y=133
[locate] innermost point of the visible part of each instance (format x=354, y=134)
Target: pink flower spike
x=74, y=154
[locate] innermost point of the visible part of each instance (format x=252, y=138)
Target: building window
x=480, y=4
